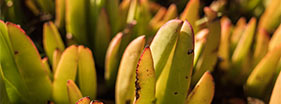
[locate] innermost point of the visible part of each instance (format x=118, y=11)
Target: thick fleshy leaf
x=84, y=100
x=210, y=53
x=242, y=50
x=261, y=47
x=14, y=83
x=191, y=13
x=132, y=11
x=262, y=74
x=163, y=43
x=224, y=49
x=56, y=59
x=173, y=83
x=145, y=79
x=125, y=87
x=111, y=59
x=51, y=40
x=46, y=67
x=66, y=70
x=276, y=38
x=60, y=13
x=270, y=19
x=237, y=32
x=76, y=20
x=200, y=41
x=158, y=16
x=171, y=13
x=113, y=14
x=276, y=95
x=102, y=38
x=31, y=71
x=87, y=77
x=203, y=92
x=73, y=92
x=46, y=6
x=3, y=92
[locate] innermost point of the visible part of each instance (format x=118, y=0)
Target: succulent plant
x=140, y=51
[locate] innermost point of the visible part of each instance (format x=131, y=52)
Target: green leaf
x=46, y=68
x=76, y=20
x=237, y=33
x=87, y=77
x=200, y=41
x=174, y=81
x=56, y=59
x=51, y=40
x=3, y=92
x=113, y=14
x=262, y=74
x=31, y=71
x=210, y=53
x=203, y=92
x=66, y=70
x=60, y=13
x=126, y=73
x=191, y=13
x=261, y=45
x=111, y=59
x=102, y=38
x=16, y=87
x=145, y=79
x=224, y=49
x=242, y=50
x=163, y=43
x=73, y=92
x=270, y=19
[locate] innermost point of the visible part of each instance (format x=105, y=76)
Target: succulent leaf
x=145, y=79
x=163, y=43
x=66, y=70
x=51, y=40
x=262, y=74
x=174, y=81
x=209, y=55
x=32, y=71
x=87, y=77
x=191, y=13
x=126, y=74
x=73, y=92
x=203, y=92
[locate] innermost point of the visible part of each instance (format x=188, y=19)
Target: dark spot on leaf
x=137, y=85
x=190, y=51
x=175, y=93
x=186, y=77
x=146, y=70
x=128, y=101
x=16, y=52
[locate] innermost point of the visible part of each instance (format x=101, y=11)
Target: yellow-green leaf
x=124, y=91
x=29, y=65
x=145, y=79
x=263, y=73
x=66, y=70
x=51, y=40
x=87, y=77
x=73, y=92
x=203, y=92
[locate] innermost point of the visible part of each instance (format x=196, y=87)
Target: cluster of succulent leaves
x=147, y=55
